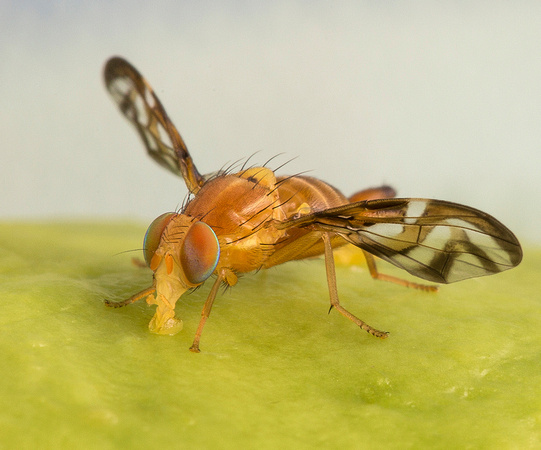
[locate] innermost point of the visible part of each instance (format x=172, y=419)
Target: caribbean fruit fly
x=252, y=219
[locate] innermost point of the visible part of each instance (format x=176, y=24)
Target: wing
x=143, y=109
x=435, y=240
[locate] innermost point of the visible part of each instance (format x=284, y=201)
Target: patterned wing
x=143, y=109
x=435, y=240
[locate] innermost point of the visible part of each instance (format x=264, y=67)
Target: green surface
x=460, y=368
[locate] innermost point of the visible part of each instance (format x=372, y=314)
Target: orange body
x=242, y=209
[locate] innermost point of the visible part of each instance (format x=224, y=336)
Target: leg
x=144, y=293
x=205, y=314
x=333, y=292
x=371, y=262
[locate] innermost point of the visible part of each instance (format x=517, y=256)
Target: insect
x=240, y=222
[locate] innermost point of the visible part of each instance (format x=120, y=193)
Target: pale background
x=438, y=99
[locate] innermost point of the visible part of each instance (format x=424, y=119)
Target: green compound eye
x=200, y=253
x=154, y=234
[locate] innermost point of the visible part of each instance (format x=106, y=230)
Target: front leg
x=225, y=275
x=140, y=295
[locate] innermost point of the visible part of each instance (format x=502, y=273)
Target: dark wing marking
x=435, y=240
x=143, y=109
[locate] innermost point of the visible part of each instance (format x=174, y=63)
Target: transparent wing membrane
x=435, y=240
x=143, y=109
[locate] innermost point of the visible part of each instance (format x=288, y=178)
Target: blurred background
x=438, y=99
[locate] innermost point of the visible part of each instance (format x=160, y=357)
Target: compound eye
x=200, y=253
x=154, y=234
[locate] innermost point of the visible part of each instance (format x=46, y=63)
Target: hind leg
x=376, y=275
